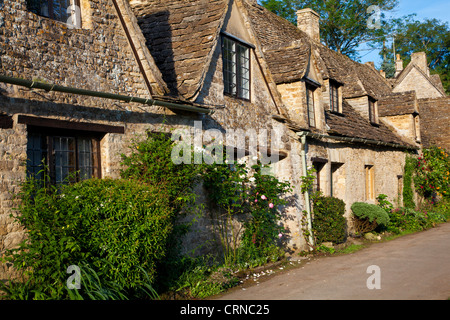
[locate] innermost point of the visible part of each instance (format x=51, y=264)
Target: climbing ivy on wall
x=408, y=189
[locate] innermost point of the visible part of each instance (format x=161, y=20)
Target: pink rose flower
x=270, y=205
x=263, y=197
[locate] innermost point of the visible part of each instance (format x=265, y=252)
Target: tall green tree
x=345, y=24
x=431, y=36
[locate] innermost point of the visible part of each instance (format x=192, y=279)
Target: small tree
x=367, y=217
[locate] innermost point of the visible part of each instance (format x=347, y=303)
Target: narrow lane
x=413, y=267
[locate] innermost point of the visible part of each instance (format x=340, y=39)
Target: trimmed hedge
x=329, y=223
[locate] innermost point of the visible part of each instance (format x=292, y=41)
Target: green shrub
x=408, y=188
x=234, y=189
x=370, y=212
x=118, y=227
x=432, y=173
x=150, y=162
x=329, y=223
x=409, y=220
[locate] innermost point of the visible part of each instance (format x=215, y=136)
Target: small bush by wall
x=329, y=223
x=368, y=217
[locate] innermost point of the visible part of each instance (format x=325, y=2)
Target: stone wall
x=416, y=81
x=343, y=174
x=435, y=122
x=294, y=98
x=96, y=57
x=99, y=58
x=405, y=125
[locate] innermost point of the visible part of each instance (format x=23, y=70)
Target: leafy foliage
x=239, y=190
x=117, y=227
x=431, y=36
x=432, y=173
x=370, y=212
x=409, y=220
x=329, y=223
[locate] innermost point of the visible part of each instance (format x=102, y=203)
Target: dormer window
x=67, y=11
x=373, y=117
x=310, y=105
x=236, y=67
x=334, y=97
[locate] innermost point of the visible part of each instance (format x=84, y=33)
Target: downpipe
x=306, y=194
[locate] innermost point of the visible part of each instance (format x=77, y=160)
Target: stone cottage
x=78, y=83
x=91, y=64
x=334, y=104
x=430, y=99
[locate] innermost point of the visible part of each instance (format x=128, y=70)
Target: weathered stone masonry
x=95, y=58
x=172, y=50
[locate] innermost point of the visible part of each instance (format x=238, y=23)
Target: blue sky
x=439, y=9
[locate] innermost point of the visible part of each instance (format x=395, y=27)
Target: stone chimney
x=308, y=21
x=398, y=65
x=371, y=64
x=420, y=60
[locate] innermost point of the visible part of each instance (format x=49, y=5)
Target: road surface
x=413, y=267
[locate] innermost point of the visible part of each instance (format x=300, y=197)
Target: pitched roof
x=288, y=63
x=398, y=104
x=358, y=79
x=181, y=36
x=352, y=124
x=433, y=80
x=285, y=47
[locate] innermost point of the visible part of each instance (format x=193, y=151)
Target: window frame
x=372, y=110
x=48, y=137
x=369, y=171
x=73, y=5
x=311, y=108
x=318, y=164
x=237, y=70
x=335, y=105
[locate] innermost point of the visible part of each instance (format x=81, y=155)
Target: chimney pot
x=308, y=22
x=398, y=66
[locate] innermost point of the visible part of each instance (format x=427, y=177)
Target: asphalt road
x=413, y=267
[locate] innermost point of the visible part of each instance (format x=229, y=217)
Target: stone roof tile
x=181, y=36
x=398, y=104
x=352, y=124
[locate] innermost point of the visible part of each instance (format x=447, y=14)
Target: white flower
x=252, y=179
